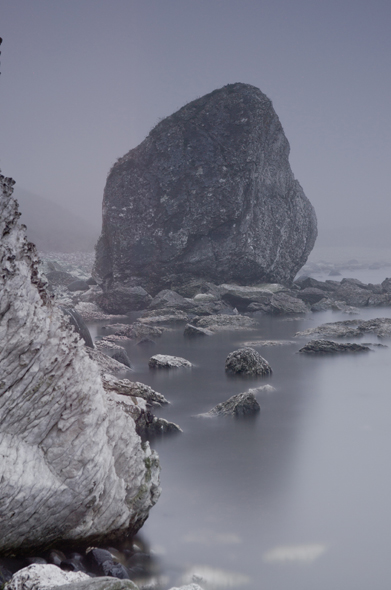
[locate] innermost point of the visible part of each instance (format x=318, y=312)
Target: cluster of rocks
x=344, y=295
x=98, y=569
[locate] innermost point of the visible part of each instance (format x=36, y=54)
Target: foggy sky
x=84, y=81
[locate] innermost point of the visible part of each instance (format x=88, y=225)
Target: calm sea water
x=296, y=498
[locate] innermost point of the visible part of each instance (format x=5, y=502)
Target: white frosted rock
x=73, y=467
x=43, y=577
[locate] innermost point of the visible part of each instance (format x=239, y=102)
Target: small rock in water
x=165, y=361
x=248, y=362
x=242, y=404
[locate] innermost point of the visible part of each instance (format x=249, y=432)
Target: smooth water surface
x=296, y=498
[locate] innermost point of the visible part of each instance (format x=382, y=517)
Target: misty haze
x=195, y=308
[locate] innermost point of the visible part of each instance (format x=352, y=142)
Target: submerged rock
x=248, y=362
x=330, y=347
x=209, y=195
x=73, y=468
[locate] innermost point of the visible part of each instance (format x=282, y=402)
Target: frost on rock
x=72, y=465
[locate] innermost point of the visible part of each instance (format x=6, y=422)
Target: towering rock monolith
x=209, y=195
x=72, y=469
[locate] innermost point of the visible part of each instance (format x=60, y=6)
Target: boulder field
x=209, y=195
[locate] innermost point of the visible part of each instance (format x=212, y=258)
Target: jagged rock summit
x=209, y=194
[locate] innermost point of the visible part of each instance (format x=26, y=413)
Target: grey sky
x=84, y=81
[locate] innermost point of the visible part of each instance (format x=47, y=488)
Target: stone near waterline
x=311, y=295
x=195, y=331
x=208, y=196
x=330, y=347
x=223, y=322
x=137, y=330
x=242, y=404
x=163, y=316
x=322, y=305
x=134, y=389
x=352, y=328
x=247, y=362
x=284, y=304
x=165, y=361
x=169, y=299
x=241, y=297
x=73, y=468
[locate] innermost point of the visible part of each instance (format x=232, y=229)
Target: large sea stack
x=209, y=195
x=72, y=469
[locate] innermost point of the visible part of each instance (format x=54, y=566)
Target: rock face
x=73, y=467
x=209, y=194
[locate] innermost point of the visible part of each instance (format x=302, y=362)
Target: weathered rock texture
x=208, y=194
x=72, y=466
x=247, y=361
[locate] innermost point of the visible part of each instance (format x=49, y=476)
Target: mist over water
x=297, y=497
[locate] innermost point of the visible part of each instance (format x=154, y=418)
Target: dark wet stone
x=242, y=404
x=247, y=362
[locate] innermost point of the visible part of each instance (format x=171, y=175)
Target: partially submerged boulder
x=73, y=468
x=165, y=361
x=242, y=404
x=330, y=347
x=209, y=195
x=247, y=362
